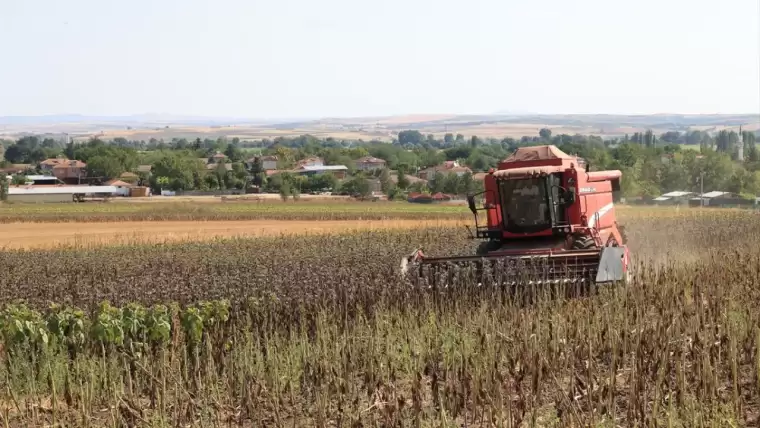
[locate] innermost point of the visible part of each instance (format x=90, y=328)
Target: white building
x=43, y=194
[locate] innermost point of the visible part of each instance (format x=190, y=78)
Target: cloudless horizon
x=351, y=58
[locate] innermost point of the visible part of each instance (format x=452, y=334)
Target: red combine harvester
x=548, y=220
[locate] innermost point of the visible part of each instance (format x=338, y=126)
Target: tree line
x=651, y=164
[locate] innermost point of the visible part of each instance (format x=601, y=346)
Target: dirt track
x=47, y=235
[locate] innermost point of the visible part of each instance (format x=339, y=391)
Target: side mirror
x=569, y=197
x=471, y=204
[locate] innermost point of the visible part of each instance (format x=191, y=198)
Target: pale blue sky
x=295, y=58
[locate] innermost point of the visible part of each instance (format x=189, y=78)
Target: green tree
x=438, y=183
x=3, y=187
x=211, y=182
x=233, y=151
x=402, y=179
x=451, y=184
x=321, y=182
x=545, y=134
x=465, y=184
x=385, y=180
x=410, y=137
x=105, y=166
x=181, y=168
x=163, y=182
x=286, y=189
x=358, y=185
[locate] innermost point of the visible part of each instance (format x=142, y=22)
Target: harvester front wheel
x=583, y=243
x=486, y=247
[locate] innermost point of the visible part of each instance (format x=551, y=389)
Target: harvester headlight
x=567, y=230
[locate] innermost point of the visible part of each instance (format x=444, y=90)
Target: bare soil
x=50, y=235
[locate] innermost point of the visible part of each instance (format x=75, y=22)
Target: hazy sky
x=296, y=58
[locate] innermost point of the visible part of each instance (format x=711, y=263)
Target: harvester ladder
x=595, y=229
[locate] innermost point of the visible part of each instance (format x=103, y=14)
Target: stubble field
x=320, y=331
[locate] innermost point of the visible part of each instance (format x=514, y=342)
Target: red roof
x=118, y=183
x=441, y=196
x=70, y=164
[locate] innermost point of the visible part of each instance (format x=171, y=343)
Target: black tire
x=583, y=243
x=486, y=247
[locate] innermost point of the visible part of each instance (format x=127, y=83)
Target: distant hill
x=506, y=124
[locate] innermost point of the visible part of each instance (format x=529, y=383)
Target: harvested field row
x=190, y=211
x=51, y=235
x=38, y=234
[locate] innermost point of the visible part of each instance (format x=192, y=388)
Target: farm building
x=129, y=177
x=411, y=179
x=47, y=194
x=673, y=198
x=268, y=163
x=369, y=163
x=339, y=171
x=721, y=199
x=42, y=180
x=445, y=168
x=310, y=162
x=122, y=187
x=422, y=198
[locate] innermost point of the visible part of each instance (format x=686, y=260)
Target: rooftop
x=41, y=177
x=676, y=194
x=118, y=183
x=57, y=190
x=370, y=159
x=322, y=168
x=71, y=164
x=715, y=194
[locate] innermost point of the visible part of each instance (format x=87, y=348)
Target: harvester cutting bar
x=566, y=267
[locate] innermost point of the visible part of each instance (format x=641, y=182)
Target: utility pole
x=702, y=189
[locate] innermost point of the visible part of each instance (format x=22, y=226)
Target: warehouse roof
x=58, y=190
x=322, y=168
x=676, y=194
x=41, y=177
x=715, y=194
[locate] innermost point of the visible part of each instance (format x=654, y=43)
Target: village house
x=268, y=163
x=339, y=171
x=369, y=163
x=122, y=188
x=310, y=162
x=214, y=166
x=218, y=157
x=68, y=171
x=16, y=168
x=444, y=168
